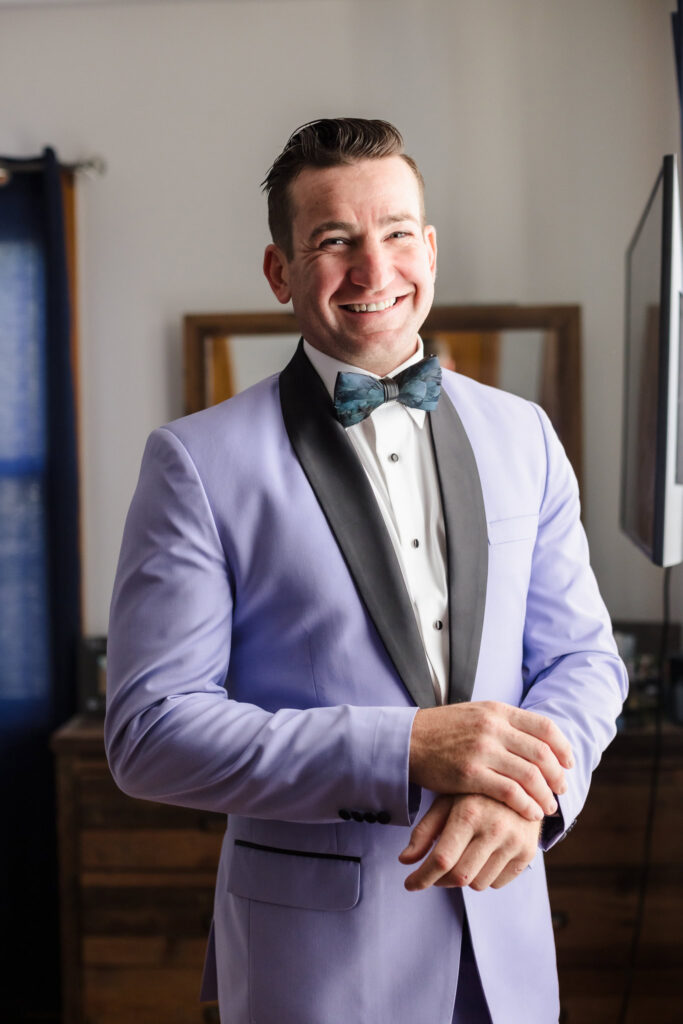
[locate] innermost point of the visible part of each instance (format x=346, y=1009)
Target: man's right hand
x=514, y=756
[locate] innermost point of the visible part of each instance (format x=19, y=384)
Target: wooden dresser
x=137, y=885
x=137, y=882
x=594, y=876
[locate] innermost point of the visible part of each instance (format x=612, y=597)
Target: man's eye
x=331, y=243
x=399, y=234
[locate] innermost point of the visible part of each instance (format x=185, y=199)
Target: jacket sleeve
x=572, y=670
x=172, y=733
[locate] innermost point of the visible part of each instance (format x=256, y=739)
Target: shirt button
x=416, y=543
x=438, y=624
x=394, y=457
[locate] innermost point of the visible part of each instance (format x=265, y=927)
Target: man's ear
x=430, y=242
x=276, y=269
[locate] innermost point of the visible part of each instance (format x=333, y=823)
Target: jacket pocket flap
x=293, y=878
x=503, y=531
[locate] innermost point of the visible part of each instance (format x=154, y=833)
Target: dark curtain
x=39, y=575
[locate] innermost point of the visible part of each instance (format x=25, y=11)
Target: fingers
x=493, y=749
x=481, y=844
x=510, y=872
x=536, y=757
x=480, y=864
x=492, y=769
x=544, y=729
x=513, y=781
x=443, y=861
x=501, y=787
x=526, y=753
x=427, y=830
x=513, y=769
x=536, y=752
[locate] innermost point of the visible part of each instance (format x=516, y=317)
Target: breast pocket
x=512, y=529
x=511, y=549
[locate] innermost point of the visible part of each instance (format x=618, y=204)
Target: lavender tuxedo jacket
x=264, y=661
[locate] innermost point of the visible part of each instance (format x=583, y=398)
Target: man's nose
x=371, y=267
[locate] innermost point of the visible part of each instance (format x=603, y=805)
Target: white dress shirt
x=395, y=449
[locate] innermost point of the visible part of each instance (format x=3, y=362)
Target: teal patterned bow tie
x=356, y=395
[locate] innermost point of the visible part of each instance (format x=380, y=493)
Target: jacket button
x=344, y=814
x=357, y=815
x=383, y=817
x=370, y=817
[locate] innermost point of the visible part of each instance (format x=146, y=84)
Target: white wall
x=539, y=126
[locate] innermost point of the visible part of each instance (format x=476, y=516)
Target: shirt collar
x=328, y=367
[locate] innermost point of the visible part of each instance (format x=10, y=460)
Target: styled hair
x=327, y=142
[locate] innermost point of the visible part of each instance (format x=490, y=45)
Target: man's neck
x=328, y=367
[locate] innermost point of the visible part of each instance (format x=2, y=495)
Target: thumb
x=427, y=830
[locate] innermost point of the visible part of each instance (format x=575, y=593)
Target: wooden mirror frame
x=561, y=324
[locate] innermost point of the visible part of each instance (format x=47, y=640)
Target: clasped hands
x=497, y=768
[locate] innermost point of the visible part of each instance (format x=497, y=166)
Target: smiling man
x=360, y=262
x=354, y=612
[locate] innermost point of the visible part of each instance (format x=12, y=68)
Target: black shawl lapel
x=346, y=497
x=467, y=544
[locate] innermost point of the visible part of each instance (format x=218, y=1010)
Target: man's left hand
x=478, y=842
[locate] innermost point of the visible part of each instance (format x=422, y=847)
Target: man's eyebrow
x=330, y=225
x=342, y=225
x=398, y=218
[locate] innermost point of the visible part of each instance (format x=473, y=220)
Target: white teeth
x=370, y=307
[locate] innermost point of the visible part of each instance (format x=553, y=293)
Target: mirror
x=532, y=351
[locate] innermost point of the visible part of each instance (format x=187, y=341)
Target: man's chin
x=378, y=351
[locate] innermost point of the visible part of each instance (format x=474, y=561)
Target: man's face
x=361, y=275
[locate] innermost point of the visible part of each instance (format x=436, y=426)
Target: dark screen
x=644, y=276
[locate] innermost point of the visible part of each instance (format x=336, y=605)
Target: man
x=334, y=623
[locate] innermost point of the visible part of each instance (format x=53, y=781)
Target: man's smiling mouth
x=370, y=307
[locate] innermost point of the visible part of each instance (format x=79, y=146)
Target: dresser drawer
x=594, y=913
x=155, y=909
x=144, y=995
x=594, y=995
x=142, y=952
x=118, y=833
x=611, y=827
x=147, y=849
x=101, y=804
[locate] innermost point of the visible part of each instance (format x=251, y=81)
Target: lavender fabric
x=246, y=675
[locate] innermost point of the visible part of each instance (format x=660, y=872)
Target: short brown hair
x=327, y=142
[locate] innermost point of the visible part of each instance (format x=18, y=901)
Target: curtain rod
x=10, y=166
